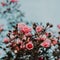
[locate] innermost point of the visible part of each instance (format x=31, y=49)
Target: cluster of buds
x=22, y=41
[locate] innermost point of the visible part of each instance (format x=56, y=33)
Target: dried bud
x=51, y=25
x=48, y=24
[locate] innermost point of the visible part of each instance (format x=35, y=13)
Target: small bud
x=48, y=24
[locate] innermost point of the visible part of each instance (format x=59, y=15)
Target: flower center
x=30, y=46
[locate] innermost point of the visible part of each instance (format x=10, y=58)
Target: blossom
x=58, y=26
x=14, y=1
x=3, y=4
x=39, y=28
x=54, y=41
x=23, y=28
x=6, y=40
x=29, y=45
x=26, y=29
x=46, y=43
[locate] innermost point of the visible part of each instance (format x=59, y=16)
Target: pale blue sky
x=42, y=10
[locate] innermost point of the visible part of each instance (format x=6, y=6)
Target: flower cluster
x=35, y=45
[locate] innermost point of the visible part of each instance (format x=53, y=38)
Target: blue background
x=42, y=10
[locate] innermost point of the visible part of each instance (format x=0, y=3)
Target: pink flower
x=29, y=45
x=42, y=37
x=46, y=43
x=26, y=29
x=21, y=25
x=58, y=26
x=14, y=1
x=6, y=40
x=3, y=4
x=39, y=28
x=54, y=41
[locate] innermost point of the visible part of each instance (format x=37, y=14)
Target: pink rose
x=46, y=43
x=6, y=40
x=58, y=26
x=26, y=29
x=39, y=28
x=29, y=45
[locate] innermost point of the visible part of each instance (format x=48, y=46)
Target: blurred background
x=42, y=10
